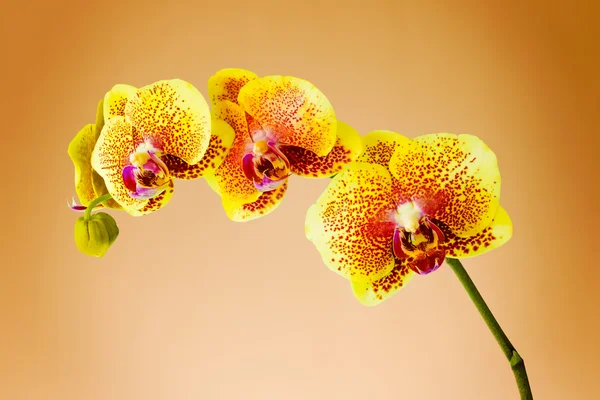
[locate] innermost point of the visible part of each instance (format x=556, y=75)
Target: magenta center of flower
x=147, y=176
x=418, y=237
x=266, y=166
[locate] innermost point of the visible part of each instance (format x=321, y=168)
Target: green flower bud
x=95, y=235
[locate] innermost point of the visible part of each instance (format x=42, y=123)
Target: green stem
x=516, y=362
x=94, y=203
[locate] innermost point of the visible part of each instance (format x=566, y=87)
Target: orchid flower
x=283, y=126
x=143, y=139
x=404, y=206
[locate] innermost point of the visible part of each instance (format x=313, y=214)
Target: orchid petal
x=452, y=178
x=309, y=165
x=493, y=236
x=80, y=151
x=116, y=99
x=173, y=116
x=375, y=292
x=291, y=110
x=264, y=205
x=350, y=226
x=229, y=177
x=379, y=147
x=221, y=139
x=226, y=84
x=117, y=141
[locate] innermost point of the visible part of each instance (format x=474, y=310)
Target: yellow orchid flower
x=283, y=125
x=142, y=139
x=404, y=206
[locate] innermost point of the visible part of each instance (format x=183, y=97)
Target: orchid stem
x=94, y=203
x=516, y=362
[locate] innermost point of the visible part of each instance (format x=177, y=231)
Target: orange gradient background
x=188, y=305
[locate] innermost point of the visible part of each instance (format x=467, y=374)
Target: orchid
x=143, y=139
x=404, y=206
x=394, y=208
x=283, y=125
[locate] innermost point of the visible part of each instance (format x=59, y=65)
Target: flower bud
x=95, y=235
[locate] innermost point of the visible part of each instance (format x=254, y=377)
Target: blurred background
x=188, y=305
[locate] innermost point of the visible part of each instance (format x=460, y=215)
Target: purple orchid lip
x=267, y=184
x=129, y=178
x=147, y=193
x=146, y=181
x=249, y=167
x=268, y=168
x=429, y=263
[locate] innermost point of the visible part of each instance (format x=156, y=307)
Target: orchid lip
x=148, y=176
x=429, y=262
x=148, y=193
x=266, y=166
x=267, y=184
x=421, y=243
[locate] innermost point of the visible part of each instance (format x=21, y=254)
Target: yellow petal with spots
x=233, y=184
x=97, y=181
x=351, y=224
x=373, y=293
x=291, y=110
x=80, y=150
x=452, y=178
x=309, y=165
x=264, y=205
x=117, y=141
x=173, y=116
x=491, y=237
x=116, y=99
x=227, y=83
x=221, y=140
x=379, y=147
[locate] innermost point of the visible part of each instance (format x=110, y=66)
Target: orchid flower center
x=147, y=176
x=266, y=165
x=417, y=236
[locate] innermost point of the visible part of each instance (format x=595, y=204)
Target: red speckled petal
x=373, y=293
x=220, y=142
x=494, y=236
x=117, y=141
x=379, y=146
x=350, y=223
x=173, y=116
x=265, y=204
x=307, y=164
x=156, y=203
x=97, y=181
x=291, y=110
x=116, y=99
x=227, y=83
x=229, y=177
x=453, y=178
